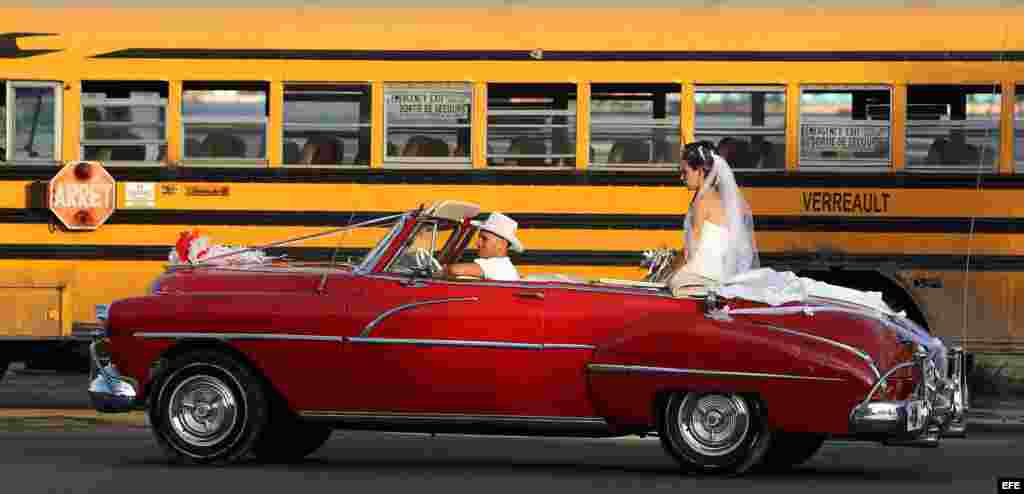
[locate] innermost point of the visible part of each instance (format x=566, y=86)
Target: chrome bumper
x=936, y=409
x=108, y=390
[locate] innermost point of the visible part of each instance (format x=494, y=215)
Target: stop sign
x=82, y=195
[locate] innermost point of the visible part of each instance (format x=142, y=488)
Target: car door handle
x=536, y=295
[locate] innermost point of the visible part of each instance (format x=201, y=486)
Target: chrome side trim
x=469, y=343
x=365, y=415
x=567, y=346
x=854, y=350
x=394, y=310
x=238, y=336
x=642, y=369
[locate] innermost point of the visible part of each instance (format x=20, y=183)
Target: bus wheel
x=5, y=361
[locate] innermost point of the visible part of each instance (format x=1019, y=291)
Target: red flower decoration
x=184, y=243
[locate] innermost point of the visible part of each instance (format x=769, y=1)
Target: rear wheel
x=210, y=408
x=714, y=432
x=789, y=449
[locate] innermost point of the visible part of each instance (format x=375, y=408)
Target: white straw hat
x=502, y=226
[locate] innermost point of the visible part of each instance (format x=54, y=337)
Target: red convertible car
x=266, y=359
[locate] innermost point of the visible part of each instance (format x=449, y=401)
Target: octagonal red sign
x=82, y=195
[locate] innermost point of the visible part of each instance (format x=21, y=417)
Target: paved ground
x=50, y=441
x=115, y=459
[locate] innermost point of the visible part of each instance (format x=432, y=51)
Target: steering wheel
x=426, y=261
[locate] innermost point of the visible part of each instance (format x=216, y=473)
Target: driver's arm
x=464, y=269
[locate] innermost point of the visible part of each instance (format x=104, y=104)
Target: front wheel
x=210, y=409
x=291, y=441
x=789, y=449
x=714, y=432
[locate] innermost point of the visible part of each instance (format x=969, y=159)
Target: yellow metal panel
x=1007, y=159
x=275, y=125
x=824, y=28
x=30, y=312
x=72, y=111
x=478, y=125
x=687, y=113
x=82, y=284
x=793, y=126
x=269, y=197
x=898, y=127
x=582, y=125
x=377, y=124
x=175, y=139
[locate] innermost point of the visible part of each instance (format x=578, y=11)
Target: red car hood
x=226, y=280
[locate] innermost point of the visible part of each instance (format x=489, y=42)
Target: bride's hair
x=700, y=156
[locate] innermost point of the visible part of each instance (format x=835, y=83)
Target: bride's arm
x=699, y=214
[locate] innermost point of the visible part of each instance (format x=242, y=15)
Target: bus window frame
x=830, y=166
x=673, y=127
x=295, y=86
x=965, y=125
x=1017, y=136
x=427, y=162
x=572, y=132
x=164, y=103
x=232, y=85
x=11, y=117
x=744, y=131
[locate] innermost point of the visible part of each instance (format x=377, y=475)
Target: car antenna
x=334, y=256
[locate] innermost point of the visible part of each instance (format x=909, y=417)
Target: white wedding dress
x=706, y=266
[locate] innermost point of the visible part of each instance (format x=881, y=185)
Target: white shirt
x=498, y=268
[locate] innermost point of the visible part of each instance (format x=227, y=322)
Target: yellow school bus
x=879, y=147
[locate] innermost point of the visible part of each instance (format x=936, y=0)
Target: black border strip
x=542, y=257
x=543, y=221
x=565, y=55
x=9, y=46
x=553, y=177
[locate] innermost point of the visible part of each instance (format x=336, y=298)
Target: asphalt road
x=27, y=388
x=121, y=459
x=63, y=455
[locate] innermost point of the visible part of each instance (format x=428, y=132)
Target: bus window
x=953, y=128
x=124, y=122
x=748, y=124
x=1018, y=125
x=225, y=121
x=427, y=123
x=35, y=137
x=634, y=125
x=531, y=125
x=3, y=121
x=845, y=127
x=327, y=124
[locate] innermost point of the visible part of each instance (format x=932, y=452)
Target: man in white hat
x=497, y=235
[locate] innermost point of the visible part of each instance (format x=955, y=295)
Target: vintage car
x=266, y=359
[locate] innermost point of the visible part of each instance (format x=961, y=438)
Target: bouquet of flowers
x=658, y=262
x=195, y=248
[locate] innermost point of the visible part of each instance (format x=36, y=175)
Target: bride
x=719, y=240
x=720, y=253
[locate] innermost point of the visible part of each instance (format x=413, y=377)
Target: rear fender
x=787, y=371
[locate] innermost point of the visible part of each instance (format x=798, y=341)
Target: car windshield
x=392, y=229
x=422, y=249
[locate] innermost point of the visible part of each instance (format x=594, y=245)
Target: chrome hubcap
x=202, y=410
x=713, y=425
